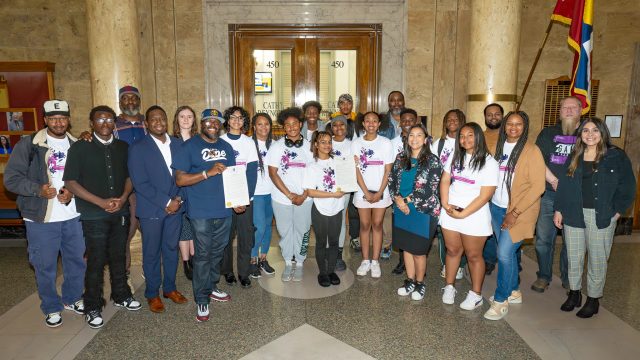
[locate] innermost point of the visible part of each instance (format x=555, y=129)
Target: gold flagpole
x=533, y=68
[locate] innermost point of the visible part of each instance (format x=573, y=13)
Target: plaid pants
x=597, y=242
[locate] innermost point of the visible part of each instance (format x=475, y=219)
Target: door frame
x=369, y=58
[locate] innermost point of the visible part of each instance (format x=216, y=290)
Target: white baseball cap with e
x=56, y=107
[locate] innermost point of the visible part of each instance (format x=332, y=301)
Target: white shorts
x=476, y=224
x=361, y=203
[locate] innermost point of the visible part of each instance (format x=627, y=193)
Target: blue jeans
x=46, y=240
x=160, y=247
x=211, y=238
x=106, y=242
x=546, y=233
x=262, y=217
x=507, y=255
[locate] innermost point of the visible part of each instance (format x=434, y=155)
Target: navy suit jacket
x=153, y=183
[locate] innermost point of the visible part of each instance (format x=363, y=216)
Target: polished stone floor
x=363, y=319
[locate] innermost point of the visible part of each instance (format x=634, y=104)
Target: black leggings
x=327, y=230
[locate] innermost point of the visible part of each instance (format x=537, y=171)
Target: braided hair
x=517, y=150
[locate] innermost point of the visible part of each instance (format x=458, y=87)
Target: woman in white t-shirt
x=443, y=147
x=287, y=160
x=375, y=157
x=341, y=145
x=326, y=212
x=468, y=182
x=246, y=155
x=514, y=206
x=261, y=125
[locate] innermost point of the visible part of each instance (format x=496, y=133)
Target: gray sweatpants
x=292, y=222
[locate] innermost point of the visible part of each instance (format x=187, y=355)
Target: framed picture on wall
x=614, y=124
x=263, y=82
x=14, y=124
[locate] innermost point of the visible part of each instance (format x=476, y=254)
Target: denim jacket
x=426, y=185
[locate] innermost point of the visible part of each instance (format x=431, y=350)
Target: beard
x=209, y=136
x=492, y=126
x=569, y=126
x=396, y=111
x=133, y=111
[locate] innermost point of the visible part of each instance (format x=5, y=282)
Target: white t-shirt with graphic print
x=320, y=175
x=56, y=161
x=501, y=196
x=291, y=163
x=372, y=157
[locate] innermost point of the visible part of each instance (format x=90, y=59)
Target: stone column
x=112, y=27
x=493, y=56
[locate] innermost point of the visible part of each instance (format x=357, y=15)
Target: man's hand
x=47, y=192
x=86, y=136
x=173, y=206
x=64, y=196
x=239, y=209
x=216, y=169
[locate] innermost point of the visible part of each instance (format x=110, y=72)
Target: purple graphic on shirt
x=564, y=145
x=444, y=155
x=456, y=175
x=337, y=153
x=503, y=159
x=56, y=161
x=365, y=159
x=287, y=161
x=328, y=179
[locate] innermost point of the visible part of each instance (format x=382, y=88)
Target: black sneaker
x=53, y=320
x=230, y=278
x=129, y=303
x=355, y=244
x=264, y=266
x=94, y=319
x=408, y=288
x=335, y=280
x=254, y=271
x=341, y=265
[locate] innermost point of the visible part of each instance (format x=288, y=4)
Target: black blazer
x=614, y=187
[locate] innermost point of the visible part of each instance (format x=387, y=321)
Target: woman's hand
x=455, y=213
x=509, y=221
x=557, y=219
x=400, y=204
x=375, y=197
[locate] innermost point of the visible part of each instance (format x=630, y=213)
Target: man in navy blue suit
x=159, y=207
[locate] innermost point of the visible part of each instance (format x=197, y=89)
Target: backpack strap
x=440, y=147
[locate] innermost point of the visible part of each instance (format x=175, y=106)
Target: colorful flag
x=578, y=14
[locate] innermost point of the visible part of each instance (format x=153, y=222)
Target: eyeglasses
x=58, y=118
x=235, y=117
x=104, y=120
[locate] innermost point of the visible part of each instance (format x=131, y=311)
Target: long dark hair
x=578, y=149
x=255, y=137
x=517, y=149
x=480, y=151
x=315, y=138
x=176, y=125
x=423, y=155
x=462, y=119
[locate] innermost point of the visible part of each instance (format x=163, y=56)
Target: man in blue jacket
x=34, y=172
x=159, y=207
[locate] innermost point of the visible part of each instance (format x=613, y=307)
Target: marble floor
x=363, y=318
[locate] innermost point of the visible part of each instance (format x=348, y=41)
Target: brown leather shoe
x=176, y=297
x=155, y=305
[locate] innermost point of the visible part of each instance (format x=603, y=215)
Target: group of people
x=481, y=193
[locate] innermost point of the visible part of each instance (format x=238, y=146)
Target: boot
x=399, y=269
x=573, y=301
x=188, y=269
x=589, y=309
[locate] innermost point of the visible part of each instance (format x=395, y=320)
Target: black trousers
x=327, y=230
x=106, y=242
x=242, y=226
x=354, y=220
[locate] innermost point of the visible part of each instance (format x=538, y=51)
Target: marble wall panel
x=419, y=71
x=147, y=84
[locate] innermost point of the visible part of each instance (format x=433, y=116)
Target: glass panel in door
x=273, y=87
x=338, y=70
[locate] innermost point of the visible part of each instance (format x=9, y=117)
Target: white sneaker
x=408, y=287
x=514, y=298
x=460, y=274
x=77, y=307
x=298, y=272
x=472, y=301
x=376, y=272
x=448, y=294
x=364, y=268
x=53, y=319
x=497, y=311
x=287, y=273
x=418, y=293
